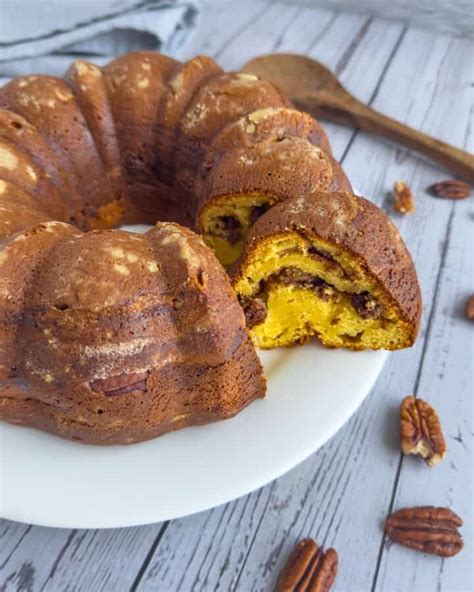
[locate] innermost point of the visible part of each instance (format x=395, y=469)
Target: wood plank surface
x=443, y=16
x=445, y=380
x=341, y=494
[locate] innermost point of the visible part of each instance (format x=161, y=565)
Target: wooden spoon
x=315, y=89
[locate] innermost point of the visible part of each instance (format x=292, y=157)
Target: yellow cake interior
x=242, y=208
x=294, y=312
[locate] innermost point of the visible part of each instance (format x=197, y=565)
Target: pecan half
x=420, y=430
x=426, y=529
x=450, y=189
x=121, y=384
x=470, y=307
x=308, y=569
x=404, y=200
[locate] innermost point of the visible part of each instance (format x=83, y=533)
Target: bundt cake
x=331, y=265
x=113, y=337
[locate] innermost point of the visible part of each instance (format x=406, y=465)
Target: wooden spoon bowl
x=315, y=89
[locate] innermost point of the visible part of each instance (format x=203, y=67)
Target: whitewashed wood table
x=342, y=494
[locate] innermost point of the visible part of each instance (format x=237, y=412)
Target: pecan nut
x=308, y=569
x=121, y=384
x=450, y=189
x=470, y=307
x=404, y=200
x=420, y=431
x=426, y=529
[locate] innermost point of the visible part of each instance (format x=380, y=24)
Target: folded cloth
x=45, y=36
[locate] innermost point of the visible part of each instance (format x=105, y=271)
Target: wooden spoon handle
x=350, y=111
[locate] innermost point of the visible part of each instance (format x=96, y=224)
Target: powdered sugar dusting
x=122, y=349
x=176, y=237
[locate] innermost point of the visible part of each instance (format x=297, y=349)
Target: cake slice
x=331, y=265
x=247, y=181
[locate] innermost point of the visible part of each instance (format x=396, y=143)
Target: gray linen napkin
x=46, y=35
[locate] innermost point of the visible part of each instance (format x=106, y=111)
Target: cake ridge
x=88, y=84
x=206, y=70
x=40, y=99
x=26, y=136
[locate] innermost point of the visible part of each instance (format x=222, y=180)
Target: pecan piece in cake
x=427, y=529
x=292, y=276
x=309, y=569
x=121, y=384
x=229, y=229
x=255, y=311
x=366, y=305
x=420, y=431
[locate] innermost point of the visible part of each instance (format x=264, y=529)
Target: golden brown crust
x=225, y=98
x=137, y=82
x=95, y=311
x=267, y=124
x=89, y=86
x=218, y=101
x=280, y=169
x=205, y=394
x=49, y=105
x=18, y=209
x=61, y=199
x=185, y=81
x=182, y=86
x=358, y=226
